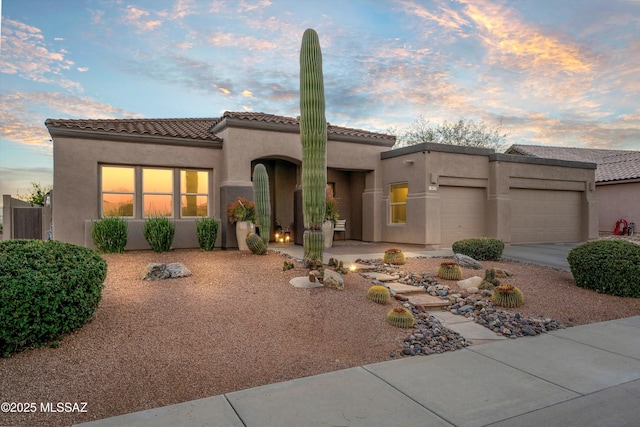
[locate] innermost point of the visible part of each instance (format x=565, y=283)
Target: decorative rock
x=471, y=282
x=467, y=262
x=159, y=271
x=177, y=269
x=156, y=271
x=304, y=282
x=473, y=290
x=465, y=308
x=528, y=330
x=333, y=280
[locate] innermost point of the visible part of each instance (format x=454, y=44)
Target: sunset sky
x=555, y=72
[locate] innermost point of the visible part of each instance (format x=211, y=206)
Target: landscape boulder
x=159, y=271
x=467, y=262
x=333, y=280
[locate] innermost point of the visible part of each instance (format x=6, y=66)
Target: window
x=157, y=192
x=165, y=191
x=118, y=191
x=194, y=193
x=398, y=201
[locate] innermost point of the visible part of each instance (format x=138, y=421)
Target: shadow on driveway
x=547, y=254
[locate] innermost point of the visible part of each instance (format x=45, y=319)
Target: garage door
x=462, y=213
x=545, y=216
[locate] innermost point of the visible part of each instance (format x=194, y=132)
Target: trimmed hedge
x=608, y=266
x=480, y=248
x=47, y=288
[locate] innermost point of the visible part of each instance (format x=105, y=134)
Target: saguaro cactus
x=263, y=201
x=313, y=135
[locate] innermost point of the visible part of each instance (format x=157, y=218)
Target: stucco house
x=617, y=179
x=427, y=194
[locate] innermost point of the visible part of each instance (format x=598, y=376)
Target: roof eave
x=137, y=138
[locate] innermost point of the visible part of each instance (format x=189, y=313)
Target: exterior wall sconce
x=408, y=162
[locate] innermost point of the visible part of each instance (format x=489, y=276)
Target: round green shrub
x=480, y=248
x=109, y=234
x=608, y=266
x=207, y=232
x=47, y=288
x=158, y=231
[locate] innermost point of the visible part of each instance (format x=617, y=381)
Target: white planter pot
x=327, y=229
x=243, y=228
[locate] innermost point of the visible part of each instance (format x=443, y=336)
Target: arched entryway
x=284, y=179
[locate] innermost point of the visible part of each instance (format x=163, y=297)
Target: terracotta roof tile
x=194, y=128
x=619, y=166
x=178, y=128
x=613, y=165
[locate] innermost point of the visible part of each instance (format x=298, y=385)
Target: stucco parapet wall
x=432, y=146
x=134, y=138
x=515, y=158
x=334, y=133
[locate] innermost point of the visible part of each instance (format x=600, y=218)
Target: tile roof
x=198, y=128
x=613, y=165
x=331, y=129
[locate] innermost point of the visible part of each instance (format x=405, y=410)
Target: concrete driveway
x=547, y=254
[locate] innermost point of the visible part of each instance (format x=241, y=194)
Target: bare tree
x=464, y=132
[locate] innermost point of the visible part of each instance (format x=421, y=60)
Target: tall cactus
x=263, y=201
x=313, y=135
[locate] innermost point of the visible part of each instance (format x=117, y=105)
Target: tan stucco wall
x=429, y=167
x=618, y=201
x=76, y=181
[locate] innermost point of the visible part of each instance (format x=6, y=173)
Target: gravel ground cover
x=237, y=323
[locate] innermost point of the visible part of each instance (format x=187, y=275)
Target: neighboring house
x=617, y=179
x=428, y=194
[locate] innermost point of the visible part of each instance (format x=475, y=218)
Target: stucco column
x=498, y=207
x=590, y=226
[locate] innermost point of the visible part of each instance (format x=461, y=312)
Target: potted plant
x=331, y=214
x=242, y=213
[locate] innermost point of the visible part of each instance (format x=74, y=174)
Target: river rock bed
x=431, y=337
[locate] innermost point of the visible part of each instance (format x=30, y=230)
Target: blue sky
x=555, y=72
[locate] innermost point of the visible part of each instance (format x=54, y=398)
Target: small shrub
x=109, y=235
x=608, y=266
x=158, y=231
x=47, y=288
x=480, y=248
x=207, y=232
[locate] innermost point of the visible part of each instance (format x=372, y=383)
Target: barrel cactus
x=507, y=296
x=379, y=294
x=262, y=201
x=450, y=271
x=400, y=317
x=255, y=244
x=313, y=135
x=394, y=256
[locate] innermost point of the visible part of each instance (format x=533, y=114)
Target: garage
x=545, y=216
x=462, y=213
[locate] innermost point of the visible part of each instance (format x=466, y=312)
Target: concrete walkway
x=582, y=376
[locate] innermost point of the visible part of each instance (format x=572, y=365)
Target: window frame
x=392, y=205
x=197, y=194
x=158, y=193
x=139, y=193
x=103, y=192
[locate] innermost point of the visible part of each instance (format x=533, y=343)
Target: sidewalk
x=582, y=376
